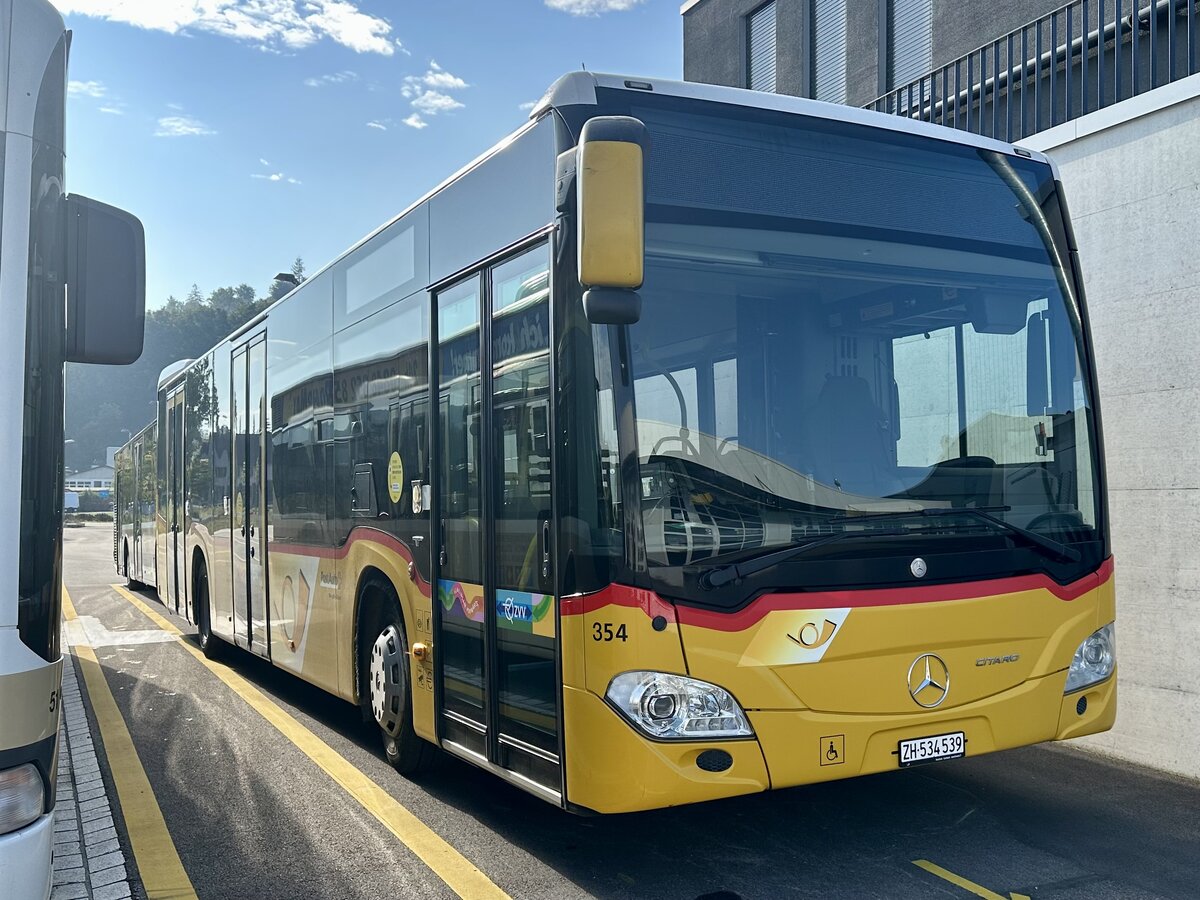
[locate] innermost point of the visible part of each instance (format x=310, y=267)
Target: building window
x=760, y=43
x=910, y=41
x=829, y=50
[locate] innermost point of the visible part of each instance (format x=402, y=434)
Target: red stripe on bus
x=618, y=595
x=370, y=535
x=652, y=604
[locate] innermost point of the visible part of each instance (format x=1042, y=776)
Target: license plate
x=931, y=749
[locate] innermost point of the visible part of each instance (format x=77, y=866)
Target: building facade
x=1111, y=91
x=98, y=479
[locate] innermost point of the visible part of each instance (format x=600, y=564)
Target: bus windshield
x=840, y=324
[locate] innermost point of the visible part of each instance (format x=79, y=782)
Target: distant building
x=1111, y=91
x=93, y=480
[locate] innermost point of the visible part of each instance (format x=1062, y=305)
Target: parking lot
x=269, y=788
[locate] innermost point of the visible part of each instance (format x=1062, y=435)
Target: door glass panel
x=255, y=505
x=237, y=400
x=520, y=455
x=169, y=507
x=460, y=578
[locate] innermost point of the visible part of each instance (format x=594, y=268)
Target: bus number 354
x=604, y=632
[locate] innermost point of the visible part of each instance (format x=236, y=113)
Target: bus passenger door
x=458, y=538
x=495, y=621
x=174, y=498
x=135, y=542
x=249, y=535
x=522, y=634
x=256, y=506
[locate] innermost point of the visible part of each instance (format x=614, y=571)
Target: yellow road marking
x=158, y=862
x=976, y=889
x=448, y=864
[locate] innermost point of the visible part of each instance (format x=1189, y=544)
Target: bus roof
x=579, y=88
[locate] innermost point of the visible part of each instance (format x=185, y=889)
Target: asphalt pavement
x=252, y=813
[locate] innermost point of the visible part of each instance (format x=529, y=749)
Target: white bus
x=72, y=289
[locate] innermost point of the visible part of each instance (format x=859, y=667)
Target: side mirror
x=106, y=283
x=1049, y=366
x=611, y=214
x=612, y=306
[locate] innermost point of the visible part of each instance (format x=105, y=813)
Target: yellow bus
x=690, y=442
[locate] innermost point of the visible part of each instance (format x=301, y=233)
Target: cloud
x=275, y=176
x=112, y=110
x=263, y=161
x=271, y=24
x=378, y=125
x=86, y=89
x=181, y=126
x=591, y=7
x=427, y=94
x=435, y=78
x=334, y=78
x=526, y=107
x=433, y=102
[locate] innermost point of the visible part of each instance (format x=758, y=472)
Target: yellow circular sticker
x=395, y=477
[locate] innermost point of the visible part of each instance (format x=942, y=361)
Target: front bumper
x=26, y=859
x=612, y=768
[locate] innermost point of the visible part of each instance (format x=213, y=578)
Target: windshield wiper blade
x=1048, y=545
x=723, y=575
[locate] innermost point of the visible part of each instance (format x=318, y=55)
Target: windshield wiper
x=723, y=575
x=1050, y=546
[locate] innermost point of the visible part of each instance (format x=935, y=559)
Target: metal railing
x=1082, y=57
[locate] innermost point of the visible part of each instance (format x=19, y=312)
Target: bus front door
x=496, y=622
x=249, y=531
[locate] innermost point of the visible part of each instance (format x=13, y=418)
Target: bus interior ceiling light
x=21, y=797
x=1094, y=659
x=677, y=707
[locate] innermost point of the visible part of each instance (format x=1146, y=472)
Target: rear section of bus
x=850, y=514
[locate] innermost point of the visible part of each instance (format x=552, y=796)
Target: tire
x=209, y=642
x=385, y=682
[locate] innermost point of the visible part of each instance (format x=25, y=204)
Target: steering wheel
x=688, y=447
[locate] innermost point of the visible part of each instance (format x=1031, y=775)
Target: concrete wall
x=1132, y=178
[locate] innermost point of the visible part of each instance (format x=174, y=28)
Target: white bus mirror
x=106, y=283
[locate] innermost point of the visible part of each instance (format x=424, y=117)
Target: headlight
x=675, y=707
x=1094, y=660
x=21, y=797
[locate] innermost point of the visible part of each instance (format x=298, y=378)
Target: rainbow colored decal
x=461, y=599
x=529, y=613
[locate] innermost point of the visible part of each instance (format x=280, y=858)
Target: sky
x=245, y=133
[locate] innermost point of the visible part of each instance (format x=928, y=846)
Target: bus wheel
x=209, y=643
x=386, y=699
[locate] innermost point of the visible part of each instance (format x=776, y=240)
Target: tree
x=105, y=404
x=298, y=270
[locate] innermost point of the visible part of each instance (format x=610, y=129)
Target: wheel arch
x=368, y=576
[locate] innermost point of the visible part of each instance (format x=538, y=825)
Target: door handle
x=545, y=548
